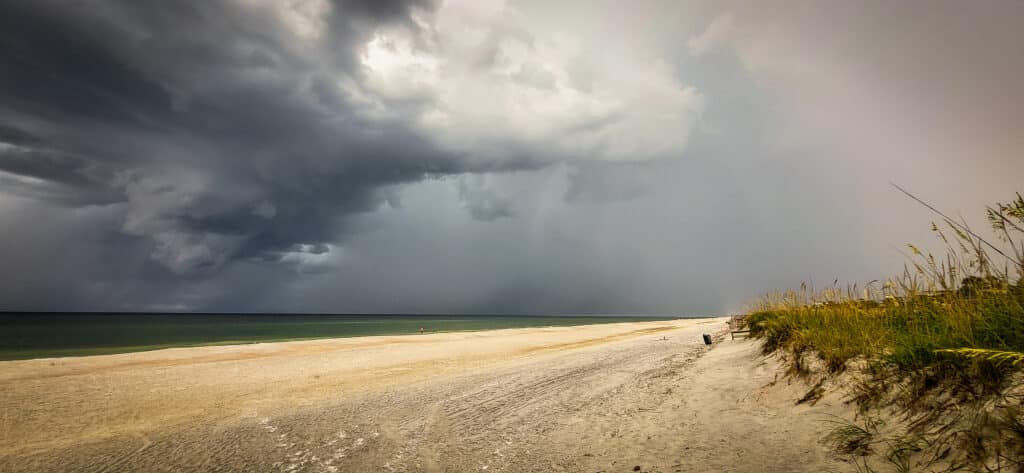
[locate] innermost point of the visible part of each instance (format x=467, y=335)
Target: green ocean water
x=24, y=336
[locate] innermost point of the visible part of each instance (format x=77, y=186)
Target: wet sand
x=588, y=398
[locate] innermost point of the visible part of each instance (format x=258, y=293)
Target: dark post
x=707, y=339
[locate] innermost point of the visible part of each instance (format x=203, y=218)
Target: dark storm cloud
x=355, y=155
x=54, y=176
x=51, y=166
x=222, y=139
x=15, y=136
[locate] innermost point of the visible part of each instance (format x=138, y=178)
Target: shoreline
x=69, y=352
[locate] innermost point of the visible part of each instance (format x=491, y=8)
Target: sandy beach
x=607, y=397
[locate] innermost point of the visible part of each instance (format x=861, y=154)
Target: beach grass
x=946, y=334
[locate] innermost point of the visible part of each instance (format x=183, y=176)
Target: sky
x=485, y=156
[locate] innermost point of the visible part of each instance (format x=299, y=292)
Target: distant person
x=421, y=330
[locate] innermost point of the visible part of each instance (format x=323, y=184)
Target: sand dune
x=591, y=398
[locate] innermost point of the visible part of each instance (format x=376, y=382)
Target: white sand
x=590, y=398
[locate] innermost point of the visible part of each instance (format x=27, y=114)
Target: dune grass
x=908, y=330
x=968, y=305
x=945, y=335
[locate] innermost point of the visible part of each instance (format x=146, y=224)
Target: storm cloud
x=484, y=156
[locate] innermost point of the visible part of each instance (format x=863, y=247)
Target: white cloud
x=492, y=86
x=396, y=71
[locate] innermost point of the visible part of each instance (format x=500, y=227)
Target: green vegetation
x=941, y=345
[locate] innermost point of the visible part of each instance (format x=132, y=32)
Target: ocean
x=36, y=335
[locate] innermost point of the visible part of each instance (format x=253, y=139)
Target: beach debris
x=812, y=396
x=707, y=339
